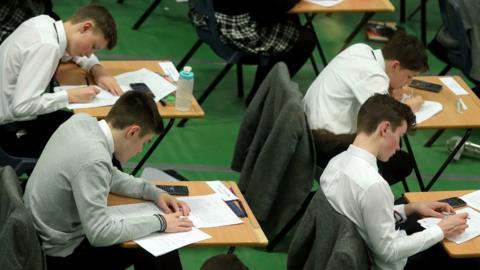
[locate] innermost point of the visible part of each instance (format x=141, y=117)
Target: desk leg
x=448, y=160
x=153, y=147
x=309, y=24
x=189, y=54
x=231, y=250
x=423, y=21
x=145, y=15
x=434, y=137
x=402, y=11
x=367, y=16
x=415, y=165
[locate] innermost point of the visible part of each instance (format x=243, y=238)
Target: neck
x=368, y=143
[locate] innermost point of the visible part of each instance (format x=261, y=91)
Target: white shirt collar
x=363, y=154
x=108, y=134
x=62, y=36
x=379, y=58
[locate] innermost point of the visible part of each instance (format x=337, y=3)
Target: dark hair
x=136, y=108
x=103, y=21
x=380, y=107
x=408, y=50
x=224, y=262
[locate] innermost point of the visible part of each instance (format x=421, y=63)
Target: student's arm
x=382, y=238
x=370, y=85
x=37, y=70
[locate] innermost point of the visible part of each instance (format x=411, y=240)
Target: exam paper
x=104, y=98
x=453, y=85
x=325, y=3
x=222, y=190
x=210, y=211
x=159, y=86
x=471, y=232
x=428, y=109
x=160, y=243
x=472, y=199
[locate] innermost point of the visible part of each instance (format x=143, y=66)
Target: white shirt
x=28, y=60
x=334, y=98
x=355, y=189
x=108, y=135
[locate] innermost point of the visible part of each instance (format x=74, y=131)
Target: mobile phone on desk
x=427, y=86
x=141, y=87
x=454, y=202
x=175, y=190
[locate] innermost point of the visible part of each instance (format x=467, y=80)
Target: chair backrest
x=19, y=164
x=202, y=15
x=454, y=37
x=274, y=152
x=326, y=240
x=20, y=248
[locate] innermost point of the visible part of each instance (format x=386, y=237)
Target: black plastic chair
x=208, y=32
x=19, y=164
x=455, y=49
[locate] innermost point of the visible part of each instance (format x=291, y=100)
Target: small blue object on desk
x=239, y=212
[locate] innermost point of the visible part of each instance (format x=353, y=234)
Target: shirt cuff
x=436, y=233
x=400, y=209
x=61, y=98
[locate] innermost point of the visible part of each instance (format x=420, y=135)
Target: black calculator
x=427, y=86
x=454, y=202
x=175, y=190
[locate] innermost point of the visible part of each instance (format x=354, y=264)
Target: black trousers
x=28, y=138
x=114, y=257
x=295, y=58
x=328, y=145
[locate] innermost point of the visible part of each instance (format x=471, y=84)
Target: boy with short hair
x=68, y=189
x=334, y=98
x=355, y=189
x=29, y=58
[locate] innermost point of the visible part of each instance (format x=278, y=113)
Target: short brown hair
x=136, y=108
x=408, y=50
x=103, y=21
x=380, y=107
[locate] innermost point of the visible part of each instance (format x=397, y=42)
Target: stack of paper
x=471, y=232
x=428, y=109
x=325, y=3
x=472, y=199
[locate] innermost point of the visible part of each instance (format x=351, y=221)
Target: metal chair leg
x=239, y=81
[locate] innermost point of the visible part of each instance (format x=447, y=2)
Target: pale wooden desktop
x=71, y=74
x=468, y=249
x=448, y=118
x=345, y=6
x=249, y=233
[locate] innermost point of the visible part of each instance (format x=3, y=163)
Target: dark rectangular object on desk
x=454, y=202
x=175, y=190
x=427, y=86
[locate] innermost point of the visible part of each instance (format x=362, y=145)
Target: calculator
x=175, y=190
x=454, y=202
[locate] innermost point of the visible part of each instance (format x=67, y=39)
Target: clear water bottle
x=183, y=96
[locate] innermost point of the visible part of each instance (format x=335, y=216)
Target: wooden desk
x=448, y=118
x=249, y=233
x=468, y=249
x=71, y=74
x=368, y=7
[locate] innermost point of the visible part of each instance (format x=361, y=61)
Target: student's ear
x=396, y=65
x=132, y=131
x=86, y=25
x=383, y=127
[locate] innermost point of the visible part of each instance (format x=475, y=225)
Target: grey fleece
x=67, y=192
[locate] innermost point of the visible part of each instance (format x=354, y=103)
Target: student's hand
x=428, y=209
x=169, y=204
x=396, y=93
x=176, y=222
x=454, y=225
x=106, y=81
x=414, y=103
x=82, y=94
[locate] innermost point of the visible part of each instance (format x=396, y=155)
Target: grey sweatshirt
x=67, y=191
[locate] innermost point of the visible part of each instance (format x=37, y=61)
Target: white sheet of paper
x=222, y=190
x=104, y=98
x=210, y=211
x=428, y=109
x=453, y=85
x=471, y=232
x=159, y=86
x=472, y=199
x=160, y=243
x=169, y=69
x=325, y=3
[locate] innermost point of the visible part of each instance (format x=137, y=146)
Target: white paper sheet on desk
x=104, y=98
x=471, y=232
x=472, y=199
x=325, y=3
x=454, y=86
x=222, y=190
x=210, y=211
x=160, y=243
x=159, y=86
x=428, y=109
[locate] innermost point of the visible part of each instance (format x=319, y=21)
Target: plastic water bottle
x=183, y=96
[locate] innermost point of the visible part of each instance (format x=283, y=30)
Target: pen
x=239, y=203
x=87, y=80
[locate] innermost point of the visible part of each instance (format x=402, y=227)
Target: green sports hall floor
x=203, y=149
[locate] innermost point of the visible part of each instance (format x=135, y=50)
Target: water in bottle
x=183, y=96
